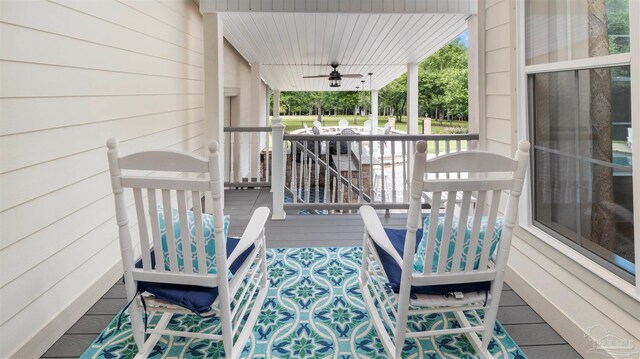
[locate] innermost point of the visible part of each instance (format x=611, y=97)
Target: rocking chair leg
x=137, y=326
x=401, y=323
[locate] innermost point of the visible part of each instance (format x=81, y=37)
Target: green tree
x=394, y=96
x=442, y=85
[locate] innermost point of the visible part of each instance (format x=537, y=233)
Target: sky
x=464, y=37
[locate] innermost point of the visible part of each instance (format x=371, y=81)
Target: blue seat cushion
x=195, y=298
x=394, y=271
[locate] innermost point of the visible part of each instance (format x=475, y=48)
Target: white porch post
x=278, y=176
x=476, y=79
x=213, y=127
x=253, y=151
x=412, y=98
x=412, y=108
x=374, y=110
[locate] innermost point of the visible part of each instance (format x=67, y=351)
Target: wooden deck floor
x=528, y=329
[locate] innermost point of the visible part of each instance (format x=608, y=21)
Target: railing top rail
x=247, y=129
x=398, y=137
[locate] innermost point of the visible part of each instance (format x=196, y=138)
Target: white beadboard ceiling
x=289, y=46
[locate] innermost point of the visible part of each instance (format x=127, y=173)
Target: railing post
x=278, y=163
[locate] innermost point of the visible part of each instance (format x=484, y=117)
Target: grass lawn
x=293, y=123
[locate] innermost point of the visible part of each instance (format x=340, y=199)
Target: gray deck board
x=562, y=351
x=533, y=334
x=536, y=338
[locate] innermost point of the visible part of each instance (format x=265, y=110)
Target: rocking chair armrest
x=376, y=232
x=252, y=232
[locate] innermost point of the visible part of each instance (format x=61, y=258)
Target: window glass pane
x=563, y=30
x=582, y=160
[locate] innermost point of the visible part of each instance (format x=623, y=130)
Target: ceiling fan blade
x=315, y=77
x=351, y=76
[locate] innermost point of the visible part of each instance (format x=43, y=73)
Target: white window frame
x=633, y=60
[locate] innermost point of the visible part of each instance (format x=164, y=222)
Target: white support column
x=412, y=109
x=213, y=128
x=374, y=109
x=412, y=98
x=476, y=78
x=255, y=94
x=264, y=122
x=252, y=152
x=278, y=177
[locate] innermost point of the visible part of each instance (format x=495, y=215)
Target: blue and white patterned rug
x=314, y=309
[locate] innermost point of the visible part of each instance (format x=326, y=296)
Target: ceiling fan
x=335, y=77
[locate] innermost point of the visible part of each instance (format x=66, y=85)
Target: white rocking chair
x=455, y=266
x=192, y=278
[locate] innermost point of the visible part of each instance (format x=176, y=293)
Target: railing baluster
x=327, y=185
x=405, y=196
x=307, y=182
x=301, y=178
x=249, y=157
x=267, y=155
x=294, y=177
x=371, y=178
x=338, y=155
x=317, y=168
x=382, y=180
x=393, y=171
x=232, y=171
x=360, y=184
x=350, y=189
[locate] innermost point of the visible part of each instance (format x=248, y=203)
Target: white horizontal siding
x=498, y=83
x=73, y=74
x=497, y=14
x=61, y=20
x=498, y=106
x=355, y=6
x=87, y=137
x=19, y=112
x=498, y=60
x=499, y=130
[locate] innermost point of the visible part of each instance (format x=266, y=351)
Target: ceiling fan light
x=334, y=82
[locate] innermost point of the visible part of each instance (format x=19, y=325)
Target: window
x=579, y=111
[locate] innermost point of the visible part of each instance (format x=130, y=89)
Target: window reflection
x=565, y=30
x=582, y=159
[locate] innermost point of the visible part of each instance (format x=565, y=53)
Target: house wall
x=562, y=286
x=75, y=73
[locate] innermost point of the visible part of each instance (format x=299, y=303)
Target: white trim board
x=535, y=272
x=41, y=341
x=335, y=6
x=580, y=64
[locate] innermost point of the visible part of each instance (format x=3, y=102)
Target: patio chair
x=629, y=138
x=348, y=132
x=306, y=128
x=456, y=265
x=387, y=128
x=343, y=123
x=212, y=276
x=317, y=124
x=367, y=126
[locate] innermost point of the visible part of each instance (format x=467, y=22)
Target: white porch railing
x=325, y=173
x=249, y=157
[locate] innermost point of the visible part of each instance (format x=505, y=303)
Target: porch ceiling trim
x=468, y=7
